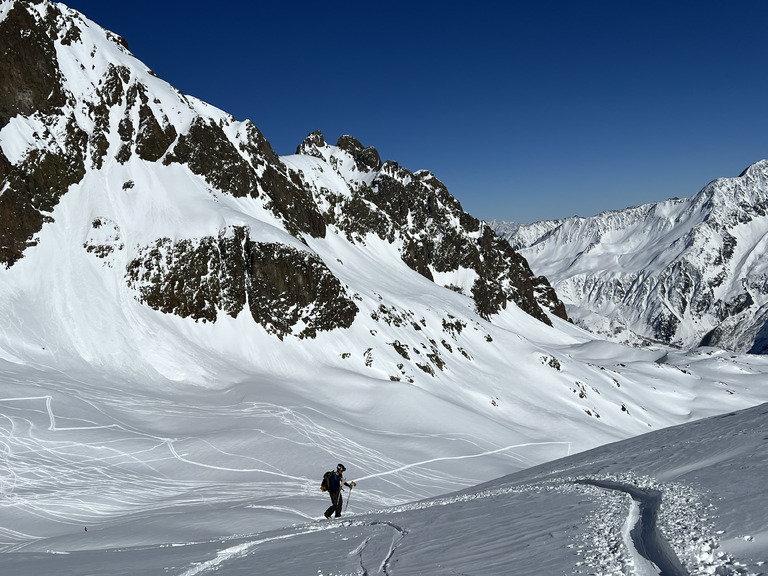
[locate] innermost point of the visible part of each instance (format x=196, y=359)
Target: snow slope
x=707, y=475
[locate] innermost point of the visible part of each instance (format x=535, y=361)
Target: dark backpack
x=326, y=479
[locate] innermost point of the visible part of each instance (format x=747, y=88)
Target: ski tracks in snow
x=238, y=551
x=625, y=535
x=633, y=534
x=650, y=553
x=68, y=460
x=366, y=550
x=374, y=553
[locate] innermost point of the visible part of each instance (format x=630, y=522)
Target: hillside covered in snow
x=684, y=272
x=193, y=329
x=686, y=500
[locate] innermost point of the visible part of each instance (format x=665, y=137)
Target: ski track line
x=397, y=537
x=643, y=566
x=238, y=551
x=646, y=538
x=244, y=549
x=51, y=417
x=358, y=551
x=182, y=458
x=445, y=458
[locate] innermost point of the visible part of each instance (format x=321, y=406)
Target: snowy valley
x=194, y=329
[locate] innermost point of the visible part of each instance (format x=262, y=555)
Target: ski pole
x=348, y=497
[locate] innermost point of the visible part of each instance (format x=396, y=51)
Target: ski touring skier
x=334, y=483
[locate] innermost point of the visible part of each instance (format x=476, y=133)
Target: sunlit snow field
x=110, y=476
x=85, y=499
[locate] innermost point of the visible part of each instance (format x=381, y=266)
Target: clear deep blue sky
x=525, y=110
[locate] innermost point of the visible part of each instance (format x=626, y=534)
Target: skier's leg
x=339, y=501
x=333, y=506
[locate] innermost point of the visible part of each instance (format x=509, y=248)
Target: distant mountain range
x=684, y=272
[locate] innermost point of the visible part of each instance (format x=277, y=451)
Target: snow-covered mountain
x=194, y=329
x=685, y=272
x=80, y=113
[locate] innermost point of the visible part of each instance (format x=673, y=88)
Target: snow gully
x=646, y=536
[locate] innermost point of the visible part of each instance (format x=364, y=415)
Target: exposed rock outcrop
x=286, y=290
x=438, y=238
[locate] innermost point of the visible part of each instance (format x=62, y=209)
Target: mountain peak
x=312, y=144
x=759, y=168
x=367, y=158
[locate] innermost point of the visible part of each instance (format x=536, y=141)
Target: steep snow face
x=684, y=272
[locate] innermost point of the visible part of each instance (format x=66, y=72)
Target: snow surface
x=709, y=473
x=135, y=442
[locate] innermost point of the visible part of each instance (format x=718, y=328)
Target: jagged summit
x=687, y=271
x=366, y=158
x=312, y=144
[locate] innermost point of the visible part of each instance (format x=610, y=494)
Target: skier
x=336, y=483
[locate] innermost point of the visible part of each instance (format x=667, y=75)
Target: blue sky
x=525, y=110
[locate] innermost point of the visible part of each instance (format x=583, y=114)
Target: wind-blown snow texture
x=684, y=272
x=193, y=330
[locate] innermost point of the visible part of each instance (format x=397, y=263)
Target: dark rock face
x=152, y=139
x=32, y=84
x=208, y=152
x=287, y=291
x=291, y=290
x=366, y=159
x=191, y=278
x=31, y=76
x=312, y=145
x=35, y=186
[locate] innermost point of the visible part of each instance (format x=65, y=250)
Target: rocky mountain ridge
x=80, y=112
x=686, y=272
